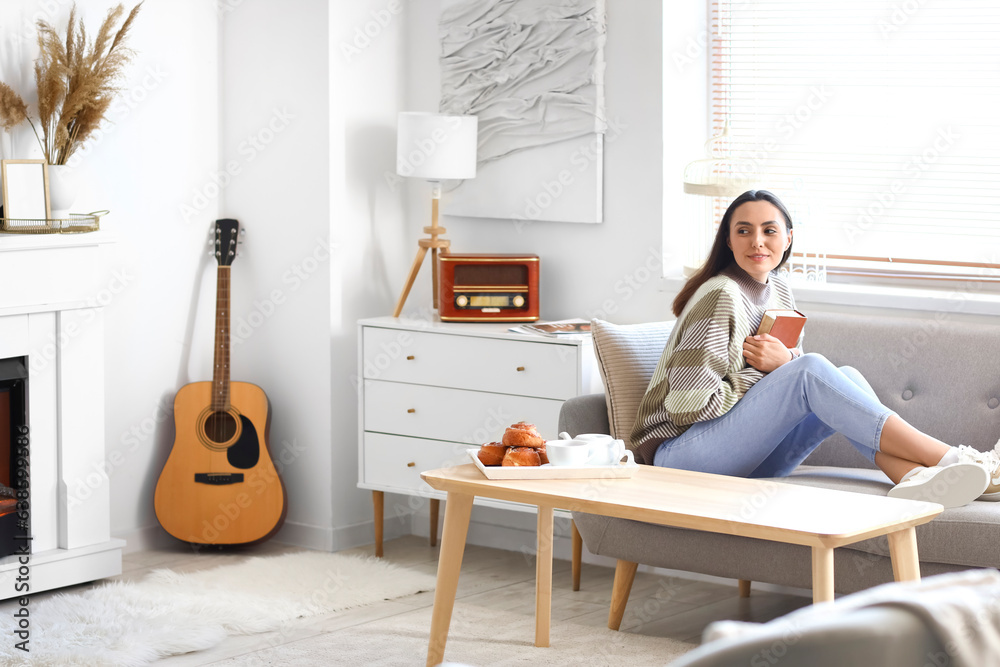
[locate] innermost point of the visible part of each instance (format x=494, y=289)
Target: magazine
x=556, y=328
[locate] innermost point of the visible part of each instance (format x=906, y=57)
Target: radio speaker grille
x=491, y=274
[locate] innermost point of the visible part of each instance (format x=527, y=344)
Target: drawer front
x=473, y=417
x=395, y=462
x=524, y=368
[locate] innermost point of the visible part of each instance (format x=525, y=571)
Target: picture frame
x=542, y=118
x=25, y=185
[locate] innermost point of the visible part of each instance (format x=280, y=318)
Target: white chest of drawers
x=429, y=392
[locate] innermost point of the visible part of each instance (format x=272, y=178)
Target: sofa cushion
x=627, y=355
x=935, y=372
x=966, y=535
x=735, y=556
x=960, y=537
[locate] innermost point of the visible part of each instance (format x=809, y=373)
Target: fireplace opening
x=13, y=452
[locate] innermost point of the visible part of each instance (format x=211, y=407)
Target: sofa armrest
x=584, y=414
x=889, y=636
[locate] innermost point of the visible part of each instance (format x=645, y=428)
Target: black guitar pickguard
x=246, y=451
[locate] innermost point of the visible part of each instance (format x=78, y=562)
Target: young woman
x=723, y=400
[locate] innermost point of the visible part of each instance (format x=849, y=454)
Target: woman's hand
x=765, y=352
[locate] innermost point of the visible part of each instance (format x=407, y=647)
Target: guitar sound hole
x=220, y=427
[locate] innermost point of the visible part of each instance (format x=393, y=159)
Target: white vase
x=63, y=188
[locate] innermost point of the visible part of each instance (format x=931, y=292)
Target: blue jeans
x=780, y=421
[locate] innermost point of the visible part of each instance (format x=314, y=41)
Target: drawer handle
x=411, y=411
x=520, y=369
x=410, y=357
x=411, y=464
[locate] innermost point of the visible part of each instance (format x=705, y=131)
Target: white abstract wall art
x=532, y=71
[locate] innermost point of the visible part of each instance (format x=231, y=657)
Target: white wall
x=208, y=80
x=161, y=140
x=275, y=139
x=607, y=270
x=368, y=53
x=207, y=77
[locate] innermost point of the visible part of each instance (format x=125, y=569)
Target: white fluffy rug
x=169, y=613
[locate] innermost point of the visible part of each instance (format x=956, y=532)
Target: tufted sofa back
x=942, y=377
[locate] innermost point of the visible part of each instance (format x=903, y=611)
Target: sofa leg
x=577, y=555
x=744, y=588
x=624, y=576
x=435, y=511
x=378, y=506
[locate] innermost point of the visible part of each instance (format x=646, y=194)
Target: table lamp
x=434, y=147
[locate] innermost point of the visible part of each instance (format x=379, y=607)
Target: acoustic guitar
x=219, y=484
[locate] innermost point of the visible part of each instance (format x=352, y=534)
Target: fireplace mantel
x=51, y=311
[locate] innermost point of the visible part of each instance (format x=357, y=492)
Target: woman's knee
x=855, y=376
x=813, y=361
x=817, y=364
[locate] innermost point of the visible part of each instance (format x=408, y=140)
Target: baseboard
x=394, y=524
x=338, y=539
x=305, y=536
x=397, y=523
x=145, y=538
x=154, y=537
x=509, y=530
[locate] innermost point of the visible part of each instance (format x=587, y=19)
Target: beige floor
x=659, y=606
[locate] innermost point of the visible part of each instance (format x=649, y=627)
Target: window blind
x=877, y=123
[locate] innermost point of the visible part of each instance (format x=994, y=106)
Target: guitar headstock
x=227, y=232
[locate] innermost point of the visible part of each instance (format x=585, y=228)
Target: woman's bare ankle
x=901, y=440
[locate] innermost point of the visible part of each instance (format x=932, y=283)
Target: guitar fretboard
x=220, y=373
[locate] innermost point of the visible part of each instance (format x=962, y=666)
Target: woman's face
x=758, y=238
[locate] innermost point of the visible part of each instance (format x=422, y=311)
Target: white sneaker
x=952, y=486
x=990, y=461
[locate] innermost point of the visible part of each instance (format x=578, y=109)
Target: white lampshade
x=436, y=147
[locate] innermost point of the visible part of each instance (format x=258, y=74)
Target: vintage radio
x=488, y=288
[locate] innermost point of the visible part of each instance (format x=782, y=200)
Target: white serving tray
x=549, y=471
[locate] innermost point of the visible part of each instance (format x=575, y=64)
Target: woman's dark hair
x=721, y=255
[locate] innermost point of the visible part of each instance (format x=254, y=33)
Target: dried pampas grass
x=77, y=81
x=13, y=110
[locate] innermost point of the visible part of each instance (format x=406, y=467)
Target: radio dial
x=518, y=301
x=461, y=301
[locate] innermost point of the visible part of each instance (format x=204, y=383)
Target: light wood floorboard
x=658, y=606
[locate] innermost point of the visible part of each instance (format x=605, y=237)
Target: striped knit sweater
x=702, y=372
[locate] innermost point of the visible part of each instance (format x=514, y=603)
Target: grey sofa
x=941, y=376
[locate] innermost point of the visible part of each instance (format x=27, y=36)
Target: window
x=878, y=123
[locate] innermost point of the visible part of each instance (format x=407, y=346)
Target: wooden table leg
x=624, y=576
x=458, y=508
x=577, y=555
x=822, y=570
x=903, y=552
x=435, y=510
x=378, y=502
x=543, y=577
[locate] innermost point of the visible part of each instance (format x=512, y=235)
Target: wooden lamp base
x=434, y=244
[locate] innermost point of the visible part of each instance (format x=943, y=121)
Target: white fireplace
x=51, y=313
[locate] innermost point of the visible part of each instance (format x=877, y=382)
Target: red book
x=785, y=325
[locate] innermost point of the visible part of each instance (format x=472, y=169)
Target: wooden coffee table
x=823, y=519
